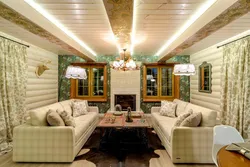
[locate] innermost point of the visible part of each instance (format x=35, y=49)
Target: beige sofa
x=38, y=142
x=186, y=144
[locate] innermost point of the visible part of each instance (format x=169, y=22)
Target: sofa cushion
x=168, y=108
x=181, y=105
x=38, y=116
x=208, y=118
x=90, y=117
x=83, y=122
x=165, y=123
x=67, y=106
x=54, y=119
x=68, y=119
x=166, y=126
x=158, y=117
x=192, y=120
x=81, y=127
x=182, y=117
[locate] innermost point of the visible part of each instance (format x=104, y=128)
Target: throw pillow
x=168, y=108
x=54, y=119
x=182, y=117
x=192, y=120
x=78, y=100
x=68, y=119
x=79, y=108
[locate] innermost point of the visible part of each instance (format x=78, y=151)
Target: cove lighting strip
x=194, y=17
x=133, y=28
x=48, y=16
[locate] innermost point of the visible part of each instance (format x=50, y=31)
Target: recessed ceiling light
x=53, y=20
x=193, y=18
x=133, y=28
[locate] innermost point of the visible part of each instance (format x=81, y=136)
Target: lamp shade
x=76, y=72
x=184, y=69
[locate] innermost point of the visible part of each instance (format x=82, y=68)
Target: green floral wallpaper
x=64, y=83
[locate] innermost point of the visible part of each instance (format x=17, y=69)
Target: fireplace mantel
x=125, y=83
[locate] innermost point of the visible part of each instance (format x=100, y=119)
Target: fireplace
x=126, y=101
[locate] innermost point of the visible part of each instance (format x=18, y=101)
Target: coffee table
x=123, y=136
x=120, y=121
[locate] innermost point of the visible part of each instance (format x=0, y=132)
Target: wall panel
x=43, y=90
x=209, y=100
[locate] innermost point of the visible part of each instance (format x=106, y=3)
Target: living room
x=128, y=82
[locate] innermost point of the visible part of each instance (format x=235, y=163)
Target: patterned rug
x=103, y=155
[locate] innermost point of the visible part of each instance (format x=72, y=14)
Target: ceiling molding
x=232, y=13
x=120, y=14
x=18, y=19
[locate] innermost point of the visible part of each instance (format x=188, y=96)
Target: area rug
x=111, y=157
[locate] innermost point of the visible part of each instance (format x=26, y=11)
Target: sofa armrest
x=155, y=109
x=94, y=109
x=43, y=143
x=192, y=144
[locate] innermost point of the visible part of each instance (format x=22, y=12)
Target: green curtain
x=13, y=80
x=235, y=82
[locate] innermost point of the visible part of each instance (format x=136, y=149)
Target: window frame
x=90, y=96
x=159, y=97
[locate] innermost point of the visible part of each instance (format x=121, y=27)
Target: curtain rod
x=233, y=41
x=15, y=41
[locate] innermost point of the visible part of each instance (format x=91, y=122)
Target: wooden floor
x=162, y=161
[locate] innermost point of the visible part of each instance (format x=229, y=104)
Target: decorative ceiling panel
x=120, y=13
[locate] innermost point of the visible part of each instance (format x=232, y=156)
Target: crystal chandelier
x=125, y=63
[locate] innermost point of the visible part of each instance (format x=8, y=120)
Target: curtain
x=235, y=84
x=13, y=78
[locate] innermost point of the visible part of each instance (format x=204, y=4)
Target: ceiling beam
x=231, y=13
x=59, y=38
x=120, y=14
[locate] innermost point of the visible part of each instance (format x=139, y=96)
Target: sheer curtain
x=235, y=82
x=13, y=78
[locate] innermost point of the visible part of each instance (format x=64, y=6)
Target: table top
x=120, y=121
x=231, y=159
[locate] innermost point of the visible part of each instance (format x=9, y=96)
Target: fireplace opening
x=126, y=101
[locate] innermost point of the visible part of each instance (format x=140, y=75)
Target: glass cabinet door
x=152, y=82
x=97, y=81
x=166, y=81
x=83, y=85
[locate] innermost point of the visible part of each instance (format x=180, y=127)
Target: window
x=94, y=88
x=159, y=82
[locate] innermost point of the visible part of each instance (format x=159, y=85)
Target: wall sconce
x=41, y=68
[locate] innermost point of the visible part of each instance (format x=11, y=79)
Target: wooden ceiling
x=158, y=20
x=87, y=19
x=155, y=22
